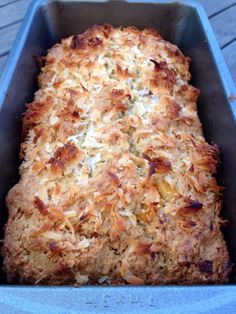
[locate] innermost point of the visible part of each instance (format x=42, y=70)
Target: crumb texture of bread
x=117, y=183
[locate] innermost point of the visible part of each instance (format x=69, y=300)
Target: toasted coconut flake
x=83, y=244
x=125, y=213
x=81, y=279
x=206, y=267
x=114, y=178
x=63, y=156
x=103, y=279
x=52, y=235
x=191, y=206
x=70, y=213
x=134, y=280
x=39, y=204
x=54, y=246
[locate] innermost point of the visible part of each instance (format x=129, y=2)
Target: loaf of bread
x=117, y=183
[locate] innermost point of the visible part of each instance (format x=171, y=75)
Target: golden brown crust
x=117, y=181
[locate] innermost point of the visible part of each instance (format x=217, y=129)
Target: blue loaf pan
x=181, y=22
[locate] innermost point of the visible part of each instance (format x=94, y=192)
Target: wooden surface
x=222, y=15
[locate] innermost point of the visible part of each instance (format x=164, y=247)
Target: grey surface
x=216, y=6
x=217, y=113
x=222, y=15
x=5, y=2
x=13, y=12
x=2, y=62
x=7, y=36
x=224, y=25
x=230, y=55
